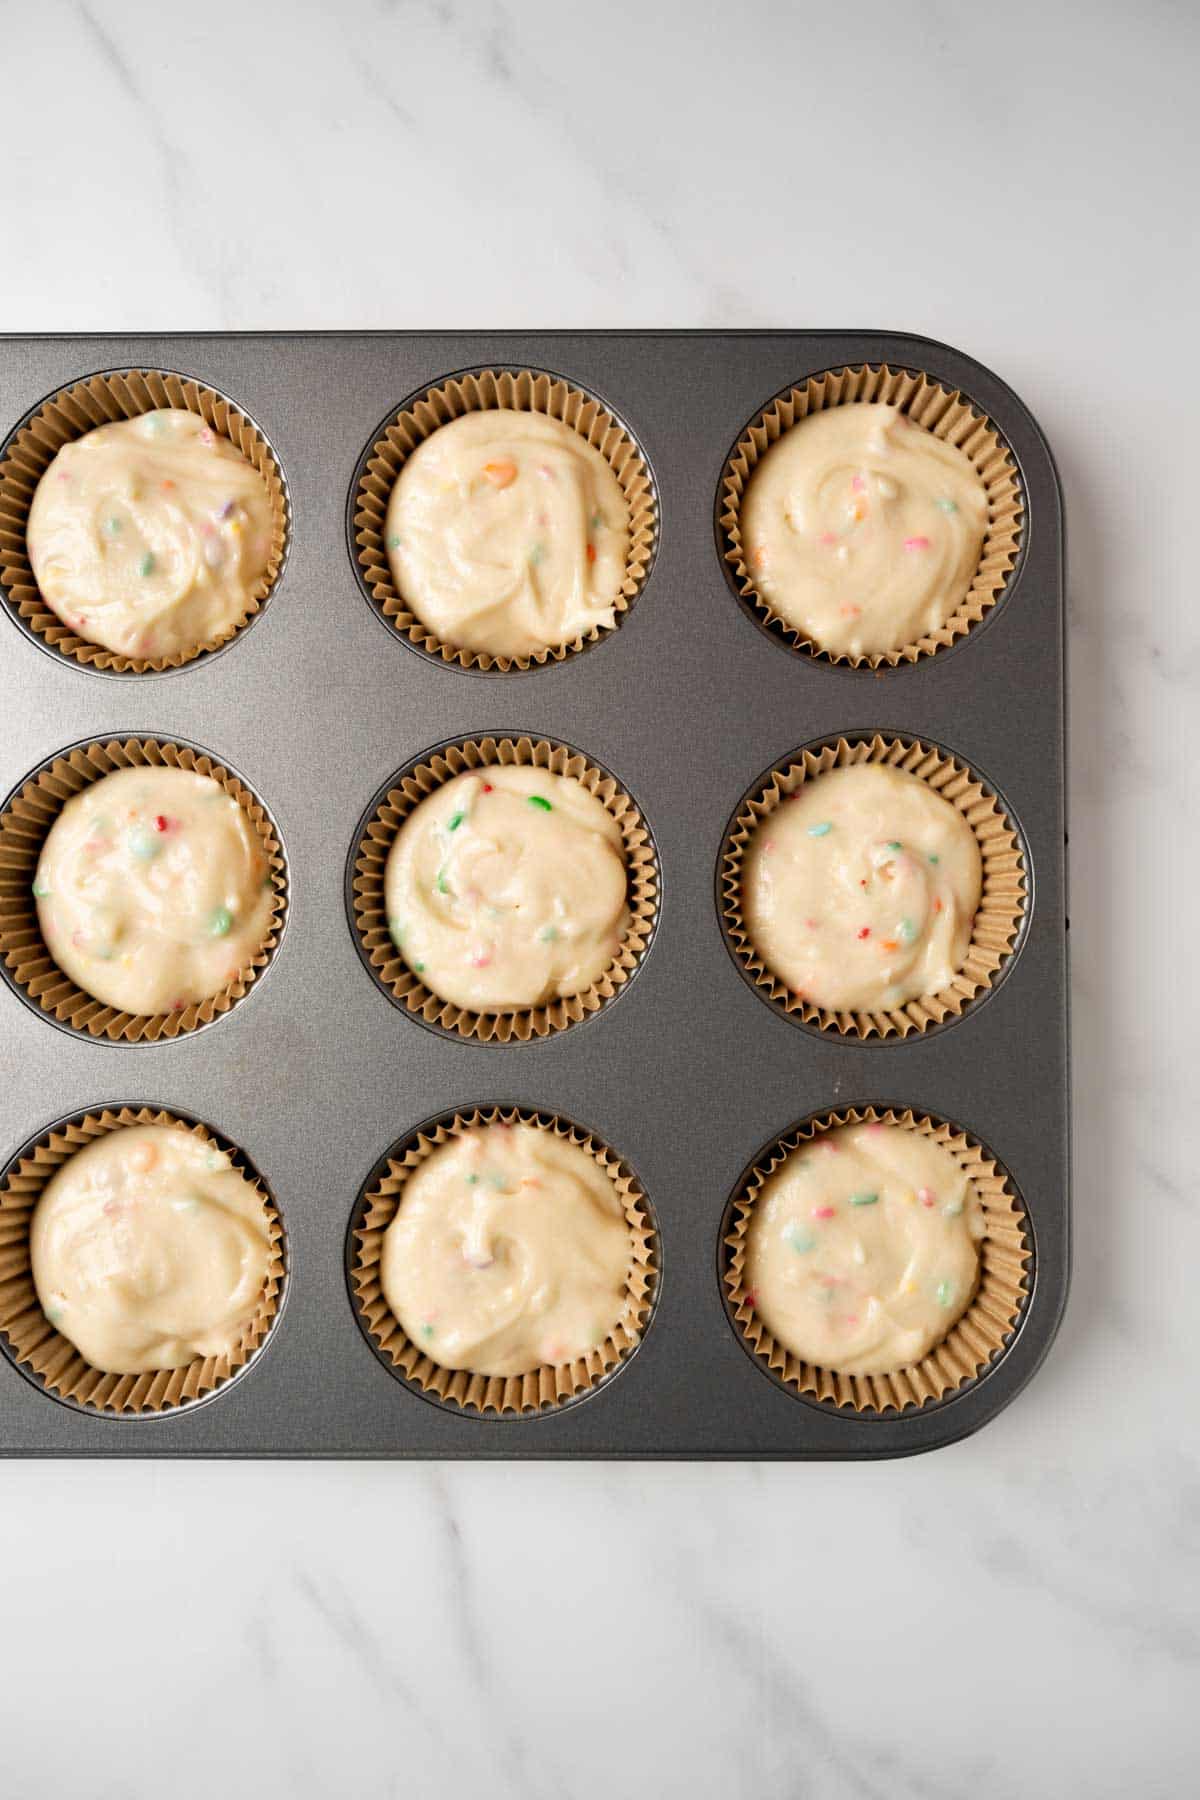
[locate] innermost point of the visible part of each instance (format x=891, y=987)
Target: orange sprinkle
x=591, y=552
x=760, y=558
x=168, y=484
x=888, y=944
x=937, y=906
x=500, y=474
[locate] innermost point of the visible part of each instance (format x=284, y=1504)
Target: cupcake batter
x=863, y=530
x=860, y=890
x=507, y=533
x=510, y=1250
x=506, y=888
x=149, y=1250
x=861, y=1251
x=153, y=889
x=150, y=535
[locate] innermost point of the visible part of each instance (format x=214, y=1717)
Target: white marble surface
x=1019, y=1614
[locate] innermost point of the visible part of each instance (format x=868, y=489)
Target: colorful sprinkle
x=858, y=484
x=926, y=1196
x=427, y=1330
x=221, y=922
x=865, y=932
x=828, y=538
x=888, y=945
x=161, y=822
x=907, y=930
x=944, y=1293
x=146, y=565
x=112, y=526
x=934, y=859
x=946, y=506
x=141, y=844
x=542, y=805
x=395, y=541
x=591, y=553
x=596, y=522
x=418, y=968
x=824, y=1212
x=472, y=1181
x=894, y=847
x=497, y=1181
x=548, y=934
x=916, y=543
x=40, y=888
x=801, y=1241
x=440, y=881
x=536, y=555
x=821, y=830
x=864, y=1199
x=501, y=474
x=455, y=820
x=396, y=932
x=480, y=958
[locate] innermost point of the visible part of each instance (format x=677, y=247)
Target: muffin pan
x=691, y=1072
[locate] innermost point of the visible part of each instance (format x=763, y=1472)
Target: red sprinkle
x=488, y=788
x=916, y=543
x=865, y=932
x=824, y=1212
x=926, y=1196
x=591, y=552
x=160, y=823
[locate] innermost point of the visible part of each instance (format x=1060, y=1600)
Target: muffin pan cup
x=688, y=704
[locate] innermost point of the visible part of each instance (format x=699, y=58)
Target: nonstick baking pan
x=688, y=1073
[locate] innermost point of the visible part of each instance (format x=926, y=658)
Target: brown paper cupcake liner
x=1003, y=902
x=374, y=840
x=551, y=1385
x=947, y=414
x=981, y=1335
x=71, y=413
x=523, y=390
x=25, y=823
x=53, y=1361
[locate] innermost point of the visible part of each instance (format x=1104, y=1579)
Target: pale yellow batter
x=863, y=530
x=508, y=533
x=510, y=1249
x=149, y=535
x=149, y=1250
x=506, y=888
x=861, y=1251
x=860, y=890
x=153, y=889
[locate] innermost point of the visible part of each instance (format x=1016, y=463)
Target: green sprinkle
x=54, y=1314
x=596, y=522
x=952, y=1210
x=946, y=506
x=944, y=1292
x=933, y=858
x=864, y=1199
x=146, y=566
x=548, y=935
x=40, y=888
x=395, y=541
x=396, y=933
x=536, y=555
x=800, y=1240
x=497, y=1181
x=220, y=922
x=112, y=526
x=142, y=844
x=268, y=878
x=472, y=1181
x=440, y=883
x=542, y=805
x=894, y=847
x=821, y=830
x=455, y=820
x=907, y=930
x=418, y=968
x=427, y=1331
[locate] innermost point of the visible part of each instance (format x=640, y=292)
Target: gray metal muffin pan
x=688, y=1074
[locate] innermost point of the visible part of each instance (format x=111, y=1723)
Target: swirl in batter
x=149, y=535
x=153, y=889
x=862, y=1249
x=860, y=890
x=510, y=1249
x=863, y=530
x=506, y=888
x=507, y=533
x=149, y=1250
